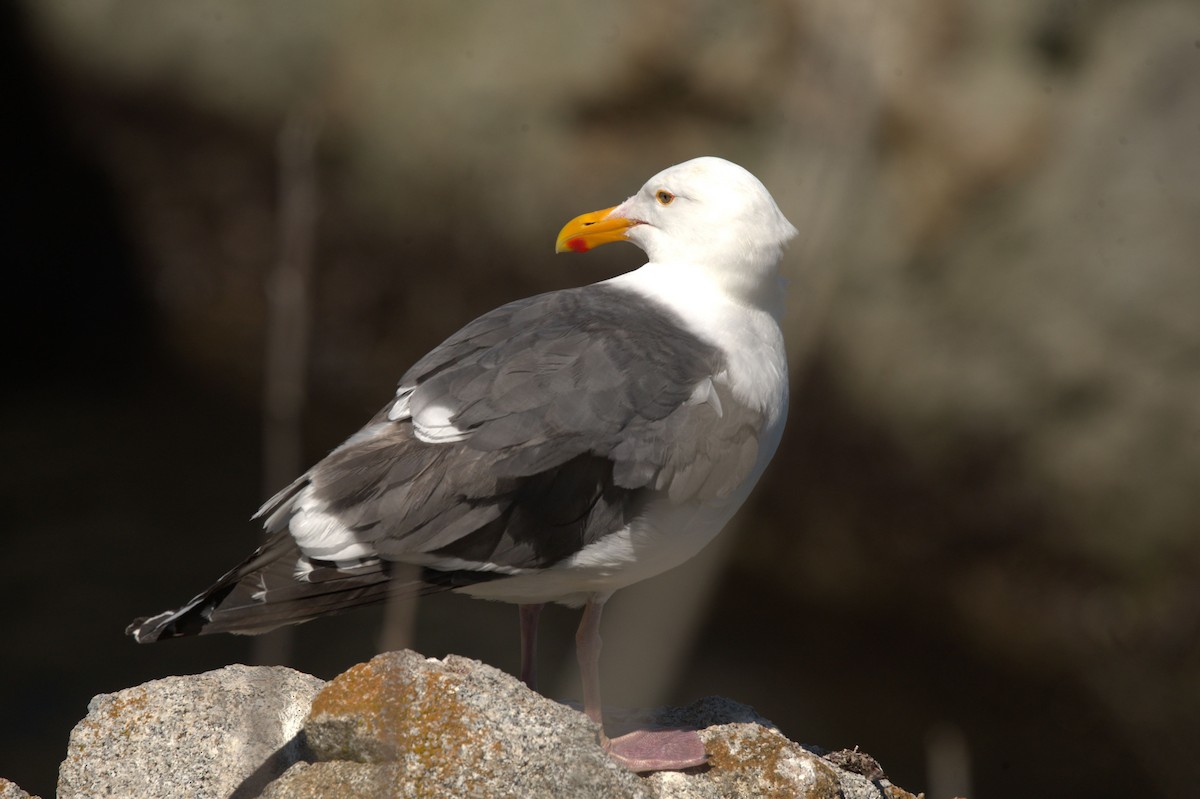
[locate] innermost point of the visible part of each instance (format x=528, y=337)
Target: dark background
x=976, y=553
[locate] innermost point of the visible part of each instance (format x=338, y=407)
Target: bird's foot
x=657, y=750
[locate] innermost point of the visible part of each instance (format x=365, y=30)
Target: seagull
x=557, y=448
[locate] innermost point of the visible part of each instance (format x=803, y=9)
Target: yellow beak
x=591, y=230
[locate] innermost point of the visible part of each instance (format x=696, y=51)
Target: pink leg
x=643, y=750
x=587, y=649
x=529, y=631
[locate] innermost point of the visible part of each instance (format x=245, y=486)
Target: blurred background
x=229, y=226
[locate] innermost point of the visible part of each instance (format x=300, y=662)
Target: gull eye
x=664, y=197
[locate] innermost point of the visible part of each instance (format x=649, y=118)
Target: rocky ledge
x=404, y=725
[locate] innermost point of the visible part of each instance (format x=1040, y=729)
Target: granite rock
x=454, y=727
x=224, y=733
x=403, y=725
x=749, y=757
x=10, y=790
x=466, y=729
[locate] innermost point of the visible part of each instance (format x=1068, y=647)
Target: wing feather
x=557, y=417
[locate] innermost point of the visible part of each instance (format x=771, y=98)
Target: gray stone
x=344, y=779
x=452, y=728
x=403, y=725
x=219, y=734
x=10, y=790
x=749, y=757
x=406, y=726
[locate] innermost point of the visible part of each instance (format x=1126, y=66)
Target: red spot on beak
x=577, y=245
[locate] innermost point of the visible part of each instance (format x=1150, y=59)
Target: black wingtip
x=148, y=629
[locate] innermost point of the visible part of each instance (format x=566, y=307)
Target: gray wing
x=536, y=430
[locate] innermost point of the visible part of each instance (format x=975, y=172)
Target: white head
x=707, y=214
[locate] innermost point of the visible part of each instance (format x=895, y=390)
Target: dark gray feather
x=594, y=382
x=262, y=593
x=576, y=404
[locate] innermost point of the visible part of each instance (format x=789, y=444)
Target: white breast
x=749, y=335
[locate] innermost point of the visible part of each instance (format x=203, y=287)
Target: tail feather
x=274, y=587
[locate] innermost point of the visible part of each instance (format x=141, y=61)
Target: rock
x=10, y=790
x=450, y=728
x=749, y=757
x=224, y=733
x=405, y=725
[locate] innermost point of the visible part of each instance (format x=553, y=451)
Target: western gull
x=555, y=449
